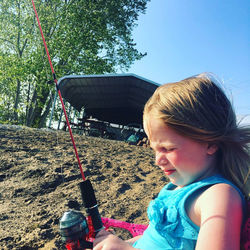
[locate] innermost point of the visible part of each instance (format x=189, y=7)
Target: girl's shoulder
x=217, y=188
x=217, y=200
x=219, y=196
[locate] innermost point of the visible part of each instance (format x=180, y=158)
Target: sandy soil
x=39, y=175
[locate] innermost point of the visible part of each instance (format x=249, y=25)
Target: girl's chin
x=179, y=182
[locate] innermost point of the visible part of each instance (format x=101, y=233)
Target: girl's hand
x=107, y=241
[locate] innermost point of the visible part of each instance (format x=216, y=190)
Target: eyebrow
x=151, y=144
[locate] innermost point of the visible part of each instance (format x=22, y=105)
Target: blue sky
x=187, y=37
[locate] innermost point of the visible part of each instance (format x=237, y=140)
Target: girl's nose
x=160, y=159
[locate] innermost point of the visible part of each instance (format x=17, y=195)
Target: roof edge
x=107, y=75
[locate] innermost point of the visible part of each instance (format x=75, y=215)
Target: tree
x=83, y=37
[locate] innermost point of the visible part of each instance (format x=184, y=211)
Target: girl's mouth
x=169, y=172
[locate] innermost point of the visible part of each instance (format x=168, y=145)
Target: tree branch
x=8, y=41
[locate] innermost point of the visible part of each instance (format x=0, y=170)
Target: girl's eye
x=171, y=149
x=168, y=149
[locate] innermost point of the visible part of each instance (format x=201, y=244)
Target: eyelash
x=166, y=150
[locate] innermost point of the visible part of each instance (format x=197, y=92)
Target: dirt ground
x=39, y=175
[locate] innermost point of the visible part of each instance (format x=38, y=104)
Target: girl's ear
x=212, y=148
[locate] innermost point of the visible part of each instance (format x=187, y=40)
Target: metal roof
x=116, y=98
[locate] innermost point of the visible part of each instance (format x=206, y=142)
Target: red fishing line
x=59, y=92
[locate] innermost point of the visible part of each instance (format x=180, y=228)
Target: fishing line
x=59, y=92
x=68, y=231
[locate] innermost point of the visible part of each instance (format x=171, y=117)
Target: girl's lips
x=169, y=172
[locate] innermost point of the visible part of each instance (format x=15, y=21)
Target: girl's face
x=183, y=160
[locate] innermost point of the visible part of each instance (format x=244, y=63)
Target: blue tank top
x=169, y=226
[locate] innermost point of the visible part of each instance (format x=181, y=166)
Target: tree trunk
x=17, y=101
x=30, y=116
x=42, y=122
x=39, y=106
x=27, y=106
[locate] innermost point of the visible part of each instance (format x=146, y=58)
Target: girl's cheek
x=173, y=158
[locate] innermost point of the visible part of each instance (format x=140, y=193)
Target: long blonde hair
x=198, y=108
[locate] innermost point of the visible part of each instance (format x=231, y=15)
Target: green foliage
x=83, y=37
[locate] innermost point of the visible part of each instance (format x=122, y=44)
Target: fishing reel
x=76, y=230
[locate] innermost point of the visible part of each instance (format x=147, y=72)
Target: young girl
x=193, y=131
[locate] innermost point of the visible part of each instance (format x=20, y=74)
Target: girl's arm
x=220, y=209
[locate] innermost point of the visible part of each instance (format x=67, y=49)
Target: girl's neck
x=204, y=176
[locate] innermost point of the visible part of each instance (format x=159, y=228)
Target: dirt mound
x=39, y=175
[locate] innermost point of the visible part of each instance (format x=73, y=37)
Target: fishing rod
x=75, y=229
